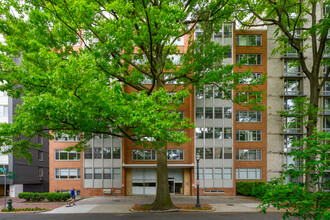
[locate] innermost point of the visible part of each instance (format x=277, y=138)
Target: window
x=116, y=173
x=227, y=173
x=97, y=153
x=66, y=155
x=147, y=80
x=66, y=138
x=325, y=67
x=248, y=116
x=248, y=59
x=40, y=172
x=326, y=88
x=106, y=173
x=244, y=97
x=175, y=154
x=326, y=124
x=116, y=152
x=200, y=152
x=218, y=153
x=175, y=58
x=288, y=142
x=40, y=155
x=291, y=87
x=288, y=104
x=88, y=173
x=218, y=94
x=228, y=134
x=97, y=173
x=253, y=77
x=3, y=110
x=291, y=68
x=199, y=112
x=227, y=31
x=209, y=153
x=248, y=40
x=199, y=133
x=227, y=153
x=326, y=105
x=208, y=133
x=248, y=173
x=88, y=154
x=67, y=173
x=218, y=133
x=199, y=93
x=208, y=173
x=326, y=10
x=290, y=51
x=142, y=154
x=208, y=113
x=209, y=93
x=228, y=113
x=292, y=125
x=217, y=173
x=217, y=112
x=228, y=53
x=200, y=172
x=246, y=154
x=247, y=135
x=107, y=153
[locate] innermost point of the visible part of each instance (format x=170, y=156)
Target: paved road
x=147, y=216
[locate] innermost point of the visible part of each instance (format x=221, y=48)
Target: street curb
x=171, y=210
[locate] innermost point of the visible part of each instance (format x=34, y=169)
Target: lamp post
x=198, y=205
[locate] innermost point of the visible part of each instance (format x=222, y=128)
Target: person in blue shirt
x=73, y=197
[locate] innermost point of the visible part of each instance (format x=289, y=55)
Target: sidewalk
x=123, y=204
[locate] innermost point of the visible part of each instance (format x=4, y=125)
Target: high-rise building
x=27, y=177
x=230, y=139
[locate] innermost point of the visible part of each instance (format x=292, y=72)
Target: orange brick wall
x=252, y=126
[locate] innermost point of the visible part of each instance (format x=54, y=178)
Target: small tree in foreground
x=296, y=198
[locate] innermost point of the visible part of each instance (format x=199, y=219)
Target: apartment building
x=230, y=140
x=27, y=177
x=285, y=82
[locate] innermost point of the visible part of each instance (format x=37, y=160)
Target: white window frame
x=257, y=170
x=248, y=151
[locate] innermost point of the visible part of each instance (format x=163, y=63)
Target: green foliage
x=247, y=188
x=36, y=197
x=307, y=199
x=57, y=196
x=24, y=209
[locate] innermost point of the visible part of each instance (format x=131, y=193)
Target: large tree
x=78, y=58
x=298, y=27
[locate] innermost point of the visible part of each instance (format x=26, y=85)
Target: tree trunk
x=163, y=199
x=312, y=118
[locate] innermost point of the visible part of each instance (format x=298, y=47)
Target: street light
x=198, y=205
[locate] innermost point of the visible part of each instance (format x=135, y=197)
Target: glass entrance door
x=171, y=185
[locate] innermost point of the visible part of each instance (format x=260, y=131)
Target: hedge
x=36, y=197
x=250, y=188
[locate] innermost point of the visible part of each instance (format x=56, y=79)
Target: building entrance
x=144, y=181
x=175, y=181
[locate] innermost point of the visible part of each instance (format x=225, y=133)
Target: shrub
x=259, y=191
x=36, y=197
x=246, y=188
x=58, y=196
